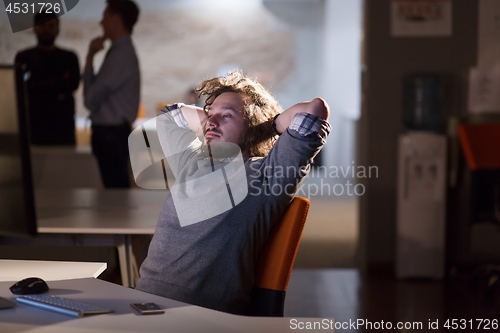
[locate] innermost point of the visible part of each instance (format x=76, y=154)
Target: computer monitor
x=17, y=206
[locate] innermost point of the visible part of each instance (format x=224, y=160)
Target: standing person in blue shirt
x=113, y=95
x=54, y=74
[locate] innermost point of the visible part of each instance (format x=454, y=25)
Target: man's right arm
x=96, y=45
x=170, y=137
x=195, y=116
x=93, y=92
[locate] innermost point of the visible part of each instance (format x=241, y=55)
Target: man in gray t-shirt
x=233, y=179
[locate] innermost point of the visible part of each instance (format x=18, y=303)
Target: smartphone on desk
x=147, y=308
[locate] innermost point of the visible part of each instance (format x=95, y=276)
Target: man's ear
x=117, y=19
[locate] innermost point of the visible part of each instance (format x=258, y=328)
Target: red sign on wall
x=421, y=18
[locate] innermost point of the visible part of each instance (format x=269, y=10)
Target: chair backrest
x=480, y=145
x=276, y=260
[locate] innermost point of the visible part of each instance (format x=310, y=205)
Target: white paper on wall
x=488, y=48
x=484, y=90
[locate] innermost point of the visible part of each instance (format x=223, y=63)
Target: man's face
x=108, y=21
x=225, y=120
x=47, y=32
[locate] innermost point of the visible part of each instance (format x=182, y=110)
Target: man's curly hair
x=258, y=112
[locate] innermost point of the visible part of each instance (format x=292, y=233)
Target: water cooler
x=421, y=195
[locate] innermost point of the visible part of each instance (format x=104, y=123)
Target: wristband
x=274, y=125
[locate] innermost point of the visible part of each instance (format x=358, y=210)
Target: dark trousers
x=110, y=147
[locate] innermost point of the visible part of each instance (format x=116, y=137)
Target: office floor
x=325, y=284
x=345, y=295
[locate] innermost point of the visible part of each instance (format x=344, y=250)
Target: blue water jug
x=423, y=102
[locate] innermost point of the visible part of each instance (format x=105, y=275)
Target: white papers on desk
x=484, y=90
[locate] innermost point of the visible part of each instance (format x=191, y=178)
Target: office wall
x=387, y=59
x=299, y=49
x=181, y=42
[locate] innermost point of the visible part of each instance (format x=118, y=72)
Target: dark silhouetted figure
x=54, y=75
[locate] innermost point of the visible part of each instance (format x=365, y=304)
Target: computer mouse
x=32, y=285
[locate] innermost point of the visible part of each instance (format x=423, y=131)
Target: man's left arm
x=304, y=128
x=317, y=107
x=73, y=73
x=90, y=97
x=70, y=79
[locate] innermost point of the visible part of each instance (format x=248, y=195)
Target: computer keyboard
x=62, y=305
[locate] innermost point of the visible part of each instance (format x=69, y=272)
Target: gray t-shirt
x=211, y=263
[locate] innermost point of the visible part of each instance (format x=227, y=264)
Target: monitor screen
x=17, y=208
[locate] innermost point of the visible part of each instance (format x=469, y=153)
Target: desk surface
x=64, y=167
x=15, y=270
x=90, y=211
x=178, y=317
x=100, y=198
x=57, y=150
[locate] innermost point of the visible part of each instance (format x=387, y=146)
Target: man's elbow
x=88, y=102
x=319, y=108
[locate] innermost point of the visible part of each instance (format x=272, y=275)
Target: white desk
x=101, y=217
x=15, y=270
x=92, y=217
x=178, y=317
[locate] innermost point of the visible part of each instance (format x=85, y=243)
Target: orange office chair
x=481, y=150
x=276, y=261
